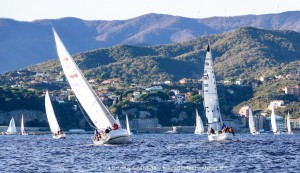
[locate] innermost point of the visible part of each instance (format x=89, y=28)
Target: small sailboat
x=12, y=127
x=54, y=127
x=273, y=123
x=211, y=102
x=102, y=120
x=199, y=124
x=127, y=125
x=252, y=128
x=23, y=127
x=288, y=124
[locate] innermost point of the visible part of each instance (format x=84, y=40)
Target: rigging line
x=85, y=116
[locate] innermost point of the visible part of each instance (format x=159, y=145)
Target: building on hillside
x=276, y=104
x=295, y=123
x=294, y=90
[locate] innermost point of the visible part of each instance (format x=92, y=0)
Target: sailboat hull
x=220, y=137
x=115, y=137
x=61, y=136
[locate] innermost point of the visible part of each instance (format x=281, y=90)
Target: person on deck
x=115, y=126
x=212, y=131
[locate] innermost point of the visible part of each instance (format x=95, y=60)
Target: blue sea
x=151, y=153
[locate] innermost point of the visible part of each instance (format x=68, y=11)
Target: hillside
x=27, y=43
x=246, y=53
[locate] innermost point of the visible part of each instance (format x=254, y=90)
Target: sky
x=29, y=10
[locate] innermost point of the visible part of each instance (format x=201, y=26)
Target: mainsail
x=273, y=121
x=127, y=125
x=22, y=126
x=199, y=125
x=12, y=127
x=288, y=123
x=251, y=122
x=50, y=114
x=209, y=88
x=87, y=97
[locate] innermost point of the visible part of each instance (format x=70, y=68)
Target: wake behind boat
x=99, y=115
x=211, y=103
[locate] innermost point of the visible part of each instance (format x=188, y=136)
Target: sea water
x=151, y=153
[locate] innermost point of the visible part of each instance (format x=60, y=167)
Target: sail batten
x=95, y=109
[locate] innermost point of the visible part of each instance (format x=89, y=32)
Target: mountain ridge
x=32, y=42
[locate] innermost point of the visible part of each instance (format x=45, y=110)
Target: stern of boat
x=220, y=137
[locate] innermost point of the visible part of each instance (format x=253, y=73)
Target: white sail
x=12, y=127
x=273, y=121
x=87, y=97
x=288, y=123
x=118, y=121
x=199, y=125
x=22, y=126
x=251, y=122
x=209, y=88
x=127, y=125
x=50, y=114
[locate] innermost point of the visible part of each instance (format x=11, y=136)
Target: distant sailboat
x=211, y=102
x=199, y=125
x=288, y=124
x=251, y=123
x=12, y=127
x=99, y=115
x=273, y=123
x=23, y=127
x=55, y=129
x=127, y=125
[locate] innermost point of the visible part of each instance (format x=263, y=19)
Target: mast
x=211, y=102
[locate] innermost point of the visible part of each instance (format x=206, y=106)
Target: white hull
x=255, y=133
x=115, y=137
x=61, y=136
x=277, y=133
x=220, y=137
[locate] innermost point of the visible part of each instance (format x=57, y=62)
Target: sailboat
x=127, y=125
x=288, y=124
x=251, y=123
x=199, y=125
x=12, y=127
x=273, y=123
x=211, y=103
x=23, y=127
x=101, y=118
x=54, y=127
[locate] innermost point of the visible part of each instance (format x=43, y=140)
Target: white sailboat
x=23, y=127
x=211, y=103
x=12, y=127
x=288, y=124
x=199, y=124
x=127, y=125
x=54, y=127
x=252, y=124
x=273, y=123
x=93, y=106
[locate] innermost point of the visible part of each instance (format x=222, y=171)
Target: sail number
x=73, y=75
x=66, y=59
